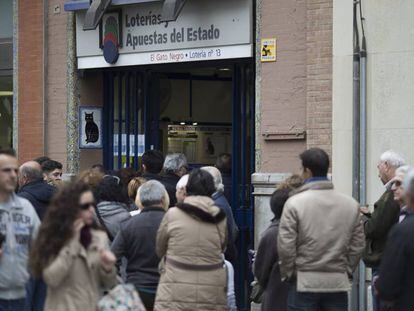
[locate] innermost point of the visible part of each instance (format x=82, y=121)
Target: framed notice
x=90, y=128
x=268, y=50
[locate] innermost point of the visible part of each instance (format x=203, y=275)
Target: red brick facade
x=30, y=79
x=296, y=91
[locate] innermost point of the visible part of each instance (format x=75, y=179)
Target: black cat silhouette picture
x=91, y=129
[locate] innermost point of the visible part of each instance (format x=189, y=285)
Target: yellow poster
x=268, y=50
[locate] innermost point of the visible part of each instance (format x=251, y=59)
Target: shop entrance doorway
x=199, y=109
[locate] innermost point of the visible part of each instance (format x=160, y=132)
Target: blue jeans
x=301, y=301
x=11, y=305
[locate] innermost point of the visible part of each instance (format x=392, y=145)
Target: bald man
x=33, y=188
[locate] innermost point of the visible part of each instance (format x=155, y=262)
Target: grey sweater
x=20, y=224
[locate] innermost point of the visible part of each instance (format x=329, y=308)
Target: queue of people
x=65, y=245
x=171, y=233
x=307, y=256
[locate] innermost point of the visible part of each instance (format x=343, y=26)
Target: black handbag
x=256, y=294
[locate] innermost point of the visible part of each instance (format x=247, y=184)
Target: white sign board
x=204, y=30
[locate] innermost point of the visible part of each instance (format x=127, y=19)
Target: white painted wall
x=389, y=28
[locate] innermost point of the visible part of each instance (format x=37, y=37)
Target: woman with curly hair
x=71, y=253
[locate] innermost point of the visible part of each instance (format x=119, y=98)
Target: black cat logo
x=91, y=129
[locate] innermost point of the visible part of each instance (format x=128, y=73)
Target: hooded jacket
x=111, y=215
x=39, y=194
x=321, y=238
x=19, y=223
x=191, y=240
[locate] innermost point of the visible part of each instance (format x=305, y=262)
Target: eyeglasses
x=86, y=206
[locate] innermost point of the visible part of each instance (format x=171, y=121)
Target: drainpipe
x=72, y=106
x=355, y=139
x=363, y=156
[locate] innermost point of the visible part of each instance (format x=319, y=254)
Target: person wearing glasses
x=19, y=224
x=398, y=190
x=71, y=253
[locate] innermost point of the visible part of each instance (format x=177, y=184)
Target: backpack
x=123, y=297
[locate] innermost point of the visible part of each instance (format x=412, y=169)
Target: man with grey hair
x=396, y=281
x=33, y=188
x=386, y=214
x=136, y=241
x=221, y=202
x=175, y=166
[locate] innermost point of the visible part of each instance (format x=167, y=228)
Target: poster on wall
x=90, y=128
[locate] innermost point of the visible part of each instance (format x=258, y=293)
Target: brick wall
x=319, y=73
x=56, y=98
x=283, y=83
x=30, y=79
x=296, y=91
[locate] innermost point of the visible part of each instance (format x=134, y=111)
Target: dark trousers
x=147, y=299
x=301, y=301
x=12, y=305
x=35, y=295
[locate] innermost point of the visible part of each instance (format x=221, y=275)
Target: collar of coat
x=202, y=208
x=315, y=185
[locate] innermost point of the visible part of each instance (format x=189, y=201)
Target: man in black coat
x=136, y=241
x=396, y=281
x=33, y=188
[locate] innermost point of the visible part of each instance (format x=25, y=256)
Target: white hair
x=403, y=170
x=182, y=183
x=408, y=182
x=393, y=158
x=218, y=180
x=150, y=193
x=174, y=161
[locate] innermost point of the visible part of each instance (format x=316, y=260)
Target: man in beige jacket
x=320, y=240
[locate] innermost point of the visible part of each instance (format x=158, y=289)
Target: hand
x=364, y=209
x=108, y=260
x=77, y=226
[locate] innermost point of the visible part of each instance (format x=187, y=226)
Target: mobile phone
x=2, y=239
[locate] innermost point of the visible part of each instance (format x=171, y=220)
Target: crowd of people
x=170, y=232
x=65, y=245
x=307, y=257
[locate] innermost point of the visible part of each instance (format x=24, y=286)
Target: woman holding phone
x=71, y=253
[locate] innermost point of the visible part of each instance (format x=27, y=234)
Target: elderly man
x=221, y=202
x=320, y=240
x=175, y=166
x=396, y=281
x=19, y=224
x=386, y=214
x=399, y=193
x=33, y=188
x=136, y=241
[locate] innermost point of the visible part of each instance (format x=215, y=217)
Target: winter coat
x=39, y=193
x=321, y=238
x=111, y=215
x=170, y=180
x=75, y=277
x=396, y=280
x=228, y=184
x=19, y=223
x=377, y=226
x=232, y=230
x=191, y=240
x=267, y=272
x=136, y=242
